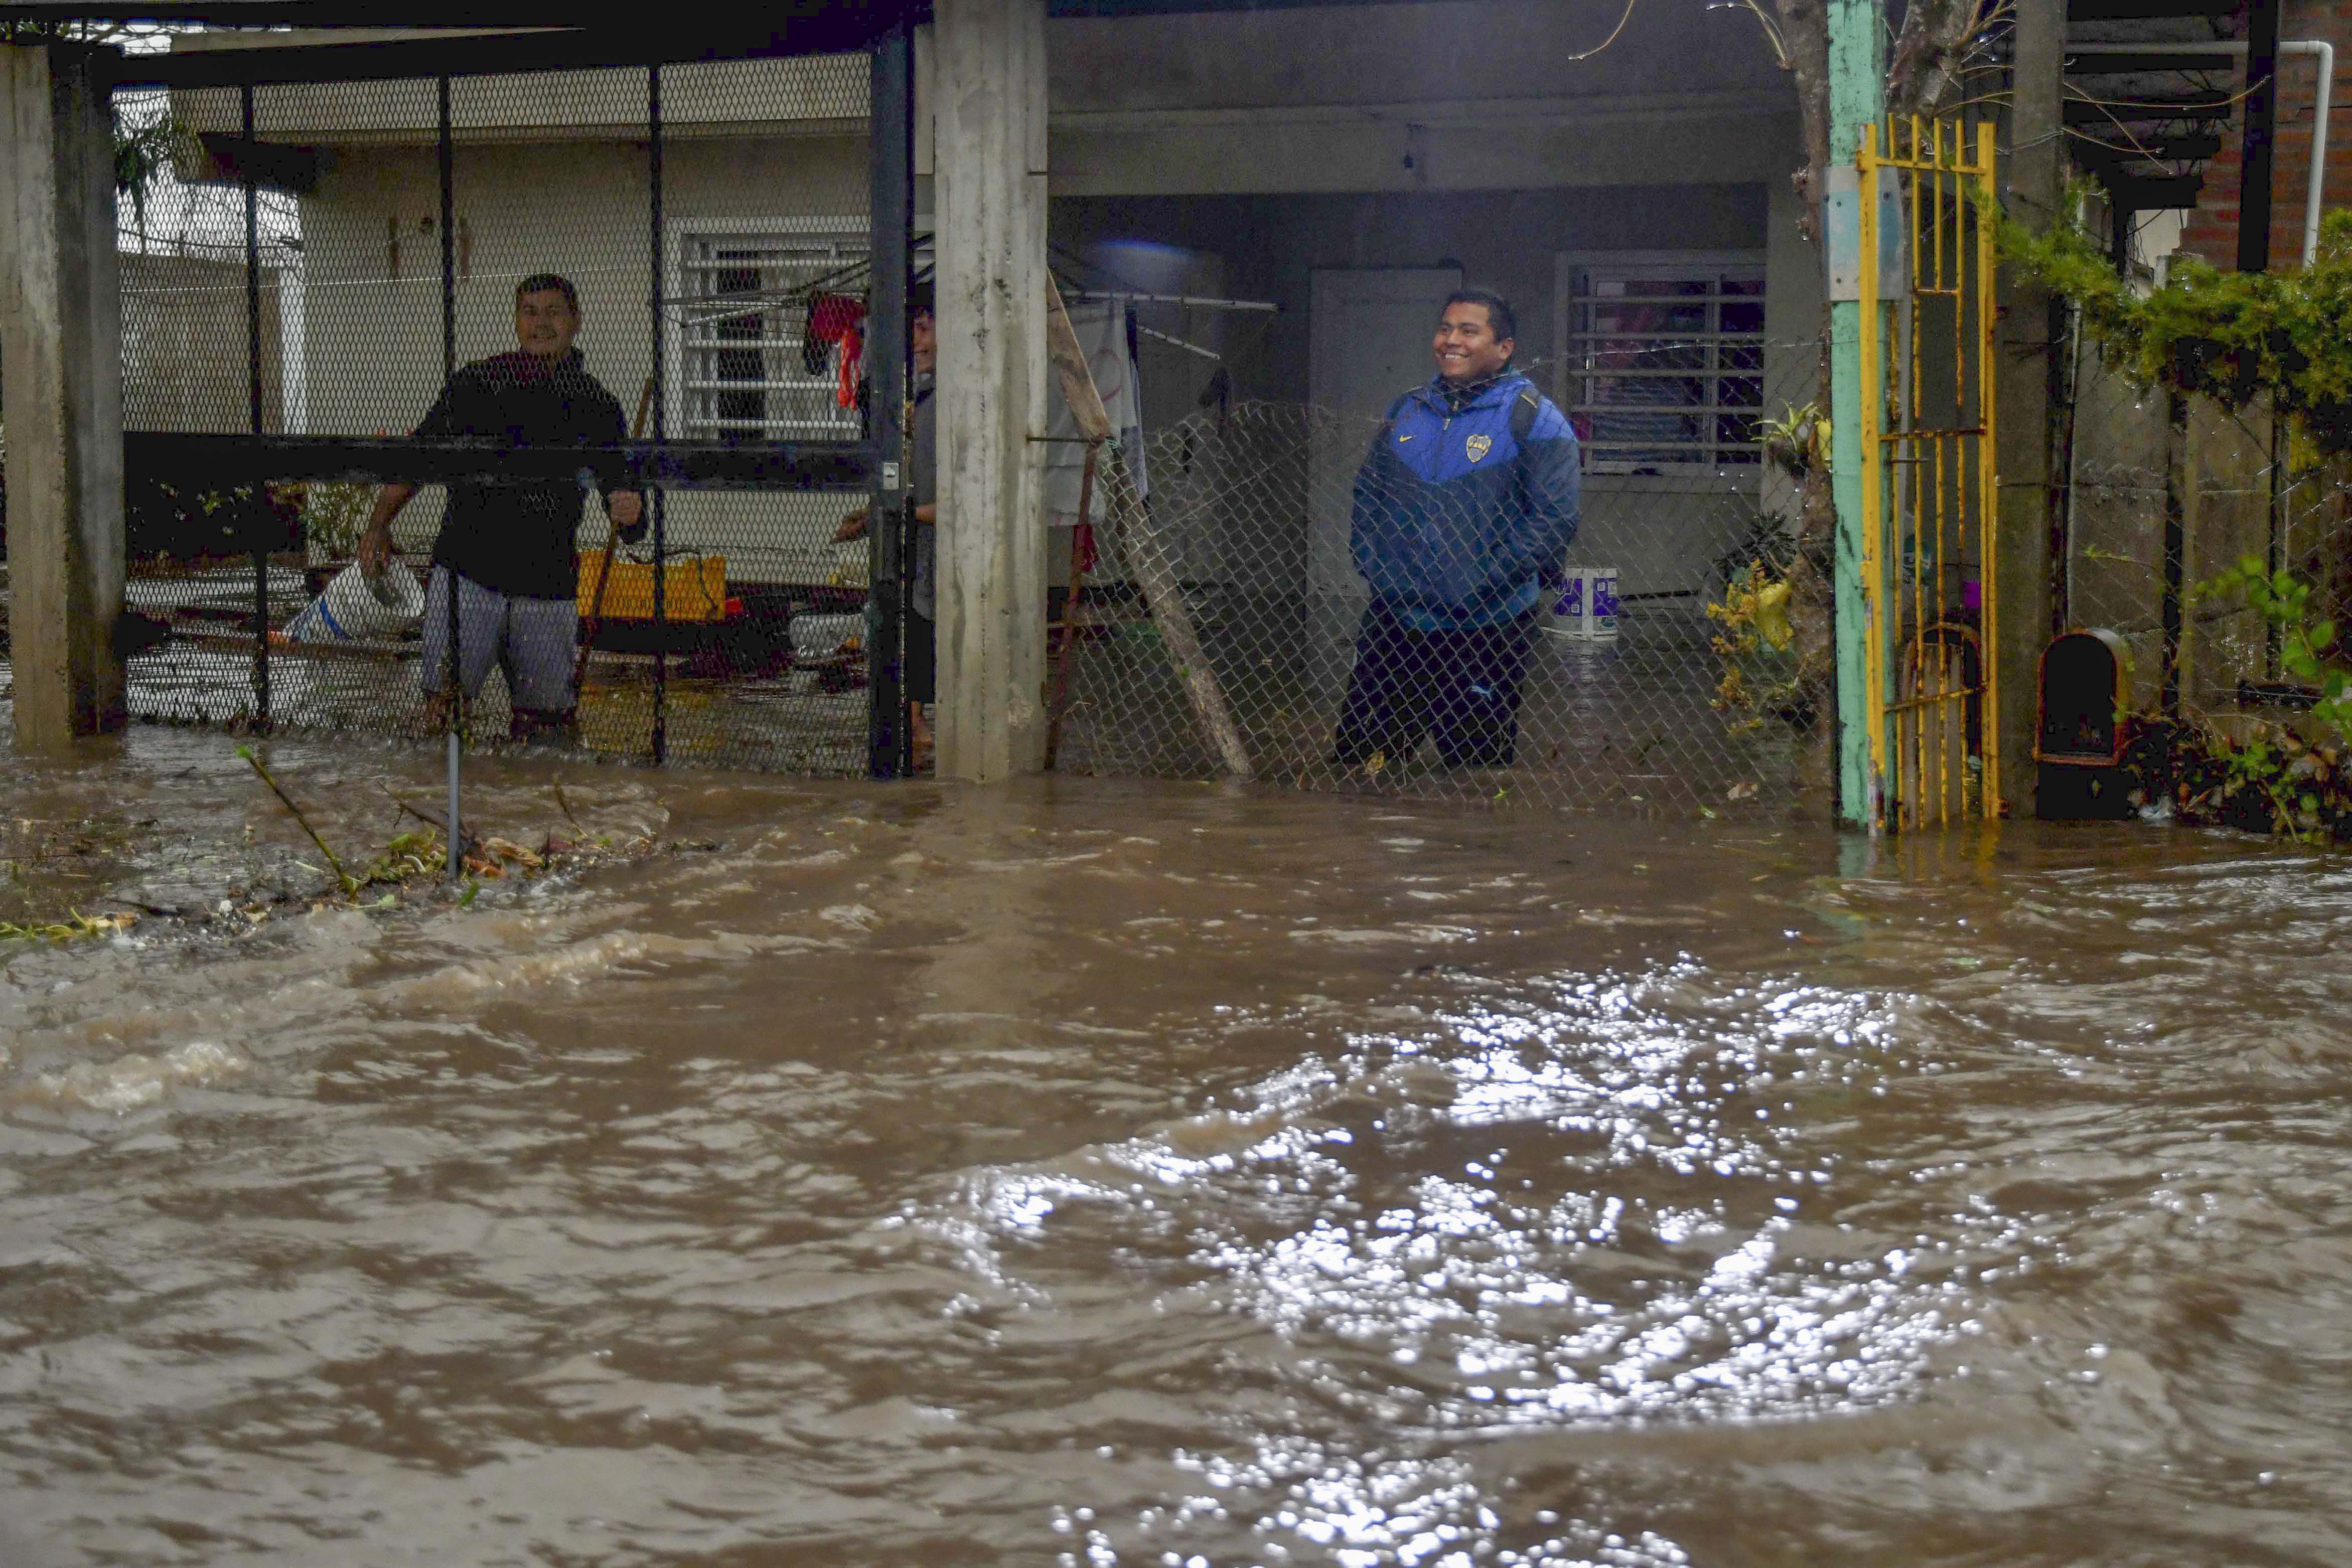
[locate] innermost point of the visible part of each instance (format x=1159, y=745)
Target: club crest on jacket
x=1478, y=446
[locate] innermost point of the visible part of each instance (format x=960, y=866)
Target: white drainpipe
x=2318, y=48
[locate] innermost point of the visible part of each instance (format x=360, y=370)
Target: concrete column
x=991, y=159
x=61, y=347
x=2029, y=387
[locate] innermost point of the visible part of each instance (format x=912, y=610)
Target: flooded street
x=1143, y=1174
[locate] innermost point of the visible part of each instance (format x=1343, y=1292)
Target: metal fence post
x=891, y=210
x=661, y=414
x=252, y=515
x=454, y=692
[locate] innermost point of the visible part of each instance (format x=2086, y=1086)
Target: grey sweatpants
x=532, y=639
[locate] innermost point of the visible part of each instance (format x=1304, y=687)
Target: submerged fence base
x=783, y=693
x=1672, y=703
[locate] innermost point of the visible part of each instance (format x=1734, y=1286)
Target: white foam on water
x=588, y=958
x=130, y=1081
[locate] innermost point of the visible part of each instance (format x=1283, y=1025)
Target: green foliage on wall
x=2239, y=338
x=2250, y=343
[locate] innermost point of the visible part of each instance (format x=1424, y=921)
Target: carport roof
x=551, y=14
x=506, y=35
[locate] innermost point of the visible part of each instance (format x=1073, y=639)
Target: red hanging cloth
x=838, y=321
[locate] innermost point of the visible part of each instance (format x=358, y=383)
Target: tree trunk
x=1813, y=596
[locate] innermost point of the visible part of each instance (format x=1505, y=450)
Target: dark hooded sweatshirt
x=519, y=536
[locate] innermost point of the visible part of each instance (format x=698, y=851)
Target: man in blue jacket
x=1464, y=509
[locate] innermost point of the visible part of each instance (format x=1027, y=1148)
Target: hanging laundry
x=853, y=368
x=1107, y=336
x=835, y=334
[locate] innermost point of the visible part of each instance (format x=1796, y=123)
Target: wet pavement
x=1129, y=1173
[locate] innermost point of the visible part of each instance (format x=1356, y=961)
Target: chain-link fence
x=2170, y=492
x=1371, y=614
x=499, y=265
x=370, y=355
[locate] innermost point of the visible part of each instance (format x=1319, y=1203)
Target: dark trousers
x=922, y=668
x=1463, y=684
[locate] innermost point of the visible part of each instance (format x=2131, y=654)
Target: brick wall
x=2212, y=231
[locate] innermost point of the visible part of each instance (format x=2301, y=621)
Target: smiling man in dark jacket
x=1464, y=512
x=505, y=550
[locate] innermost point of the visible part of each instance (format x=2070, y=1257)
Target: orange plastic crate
x=694, y=588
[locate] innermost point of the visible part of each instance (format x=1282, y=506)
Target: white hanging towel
x=1101, y=329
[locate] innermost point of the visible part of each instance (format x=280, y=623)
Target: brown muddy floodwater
x=1094, y=1173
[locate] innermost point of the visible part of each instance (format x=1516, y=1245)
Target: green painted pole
x=1857, y=97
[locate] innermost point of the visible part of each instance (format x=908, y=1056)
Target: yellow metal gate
x=1930, y=493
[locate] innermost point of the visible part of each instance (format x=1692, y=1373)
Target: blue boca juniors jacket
x=1454, y=526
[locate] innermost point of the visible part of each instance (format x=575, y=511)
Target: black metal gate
x=736, y=217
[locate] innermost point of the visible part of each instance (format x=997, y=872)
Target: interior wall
x=1662, y=534
x=1504, y=240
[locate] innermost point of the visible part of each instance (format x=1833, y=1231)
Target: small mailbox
x=2078, y=742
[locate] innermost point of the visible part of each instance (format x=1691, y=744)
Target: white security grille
x=743, y=312
x=1664, y=368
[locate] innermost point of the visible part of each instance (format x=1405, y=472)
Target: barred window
x=1662, y=361
x=743, y=368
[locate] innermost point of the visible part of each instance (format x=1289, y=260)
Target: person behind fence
x=1464, y=512
x=923, y=436
x=507, y=548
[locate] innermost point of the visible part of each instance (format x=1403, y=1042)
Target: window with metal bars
x=1661, y=367
x=744, y=369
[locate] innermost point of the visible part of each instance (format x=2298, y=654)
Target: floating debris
x=75, y=925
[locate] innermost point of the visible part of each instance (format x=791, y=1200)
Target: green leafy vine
x=2246, y=341
x=2241, y=338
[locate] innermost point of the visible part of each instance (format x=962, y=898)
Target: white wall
x=373, y=294
x=184, y=345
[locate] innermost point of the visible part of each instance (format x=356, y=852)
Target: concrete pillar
x=990, y=160
x=2031, y=360
x=61, y=349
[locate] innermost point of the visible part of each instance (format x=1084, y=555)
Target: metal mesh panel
x=731, y=634
x=2168, y=493
x=2115, y=565
x=1250, y=514
x=209, y=306
x=718, y=260
x=183, y=247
